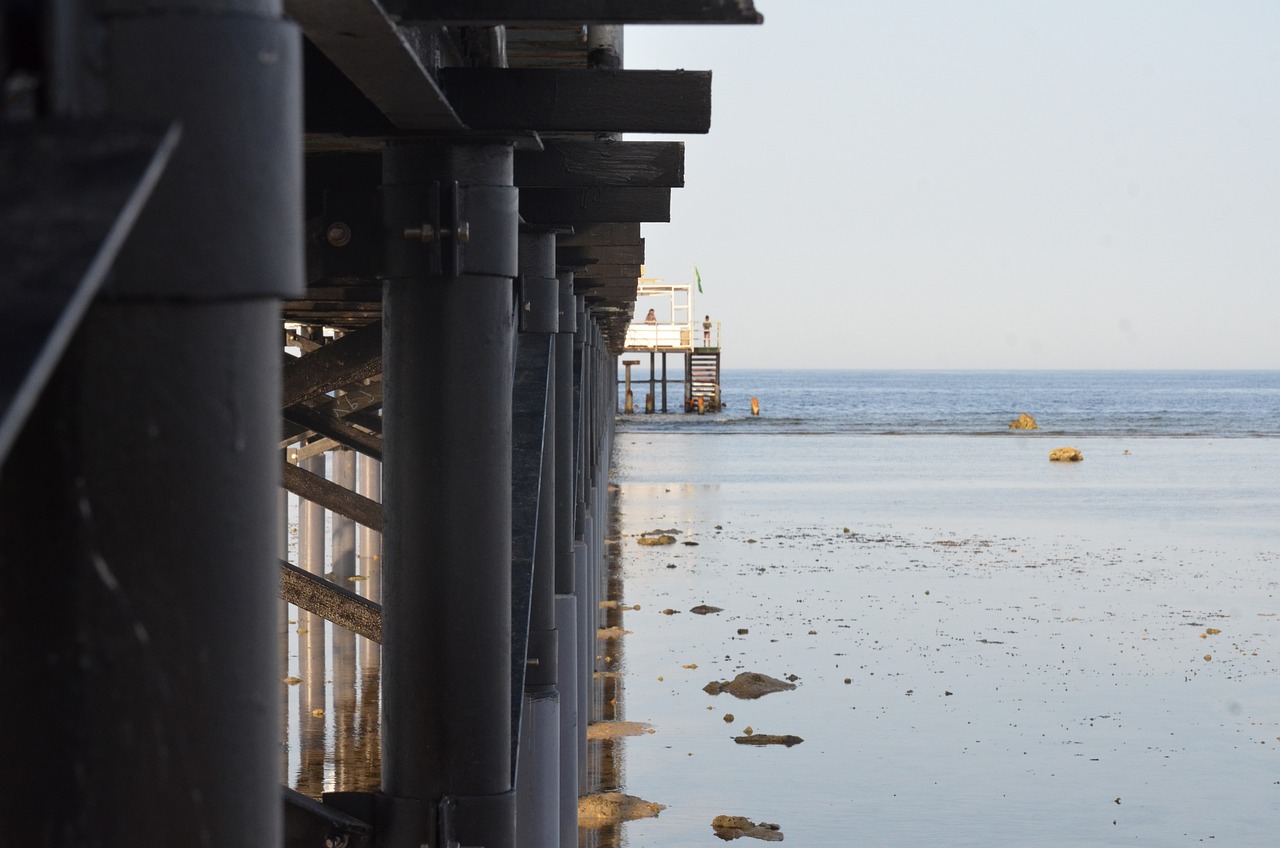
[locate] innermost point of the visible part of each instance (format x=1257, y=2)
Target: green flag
x=698, y=274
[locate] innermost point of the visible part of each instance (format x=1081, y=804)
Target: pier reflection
x=606, y=753
x=335, y=725
x=332, y=710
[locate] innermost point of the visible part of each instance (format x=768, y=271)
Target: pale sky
x=982, y=184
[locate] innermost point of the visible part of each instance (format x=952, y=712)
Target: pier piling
x=449, y=328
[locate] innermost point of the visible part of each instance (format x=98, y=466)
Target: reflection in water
x=339, y=749
x=332, y=717
x=606, y=756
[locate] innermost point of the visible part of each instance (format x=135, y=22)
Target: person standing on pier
x=706, y=331
x=651, y=318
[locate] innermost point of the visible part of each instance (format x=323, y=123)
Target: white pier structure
x=665, y=322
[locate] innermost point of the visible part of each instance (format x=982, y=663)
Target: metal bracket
x=446, y=229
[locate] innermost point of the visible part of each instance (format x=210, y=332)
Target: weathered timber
x=335, y=428
x=332, y=103
x=591, y=272
x=330, y=601
x=68, y=197
x=554, y=99
x=332, y=497
x=601, y=254
x=353, y=357
x=574, y=162
x=366, y=418
x=585, y=235
x=354, y=294
x=592, y=205
x=353, y=403
x=316, y=447
x=533, y=12
x=386, y=62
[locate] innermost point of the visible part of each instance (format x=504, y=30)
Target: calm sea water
x=1093, y=403
x=990, y=649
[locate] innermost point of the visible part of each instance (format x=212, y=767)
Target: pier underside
x=276, y=267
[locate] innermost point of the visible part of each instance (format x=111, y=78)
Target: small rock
x=704, y=609
x=735, y=827
x=742, y=631
x=670, y=611
x=728, y=718
x=768, y=739
x=596, y=811
x=652, y=541
x=1024, y=422
x=1065, y=455
x=690, y=544
x=748, y=685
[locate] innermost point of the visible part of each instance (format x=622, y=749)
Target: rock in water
x=705, y=609
x=653, y=541
x=1065, y=455
x=614, y=807
x=1024, y=422
x=768, y=739
x=748, y=685
x=733, y=827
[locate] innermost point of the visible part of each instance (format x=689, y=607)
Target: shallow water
x=1064, y=608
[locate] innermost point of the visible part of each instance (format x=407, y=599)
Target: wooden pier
x=397, y=313
x=666, y=324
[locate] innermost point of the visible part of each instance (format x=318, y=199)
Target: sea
x=987, y=648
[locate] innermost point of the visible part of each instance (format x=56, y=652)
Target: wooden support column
x=143, y=642
x=449, y=317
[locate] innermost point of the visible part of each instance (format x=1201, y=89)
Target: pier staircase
x=702, y=365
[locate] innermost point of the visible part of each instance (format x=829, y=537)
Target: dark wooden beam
x=600, y=254
x=606, y=233
x=630, y=272
x=590, y=205
x=353, y=357
x=525, y=12
x=331, y=496
x=388, y=64
x=575, y=99
x=333, y=427
x=331, y=602
x=572, y=162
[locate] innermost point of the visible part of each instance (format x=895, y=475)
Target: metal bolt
x=428, y=234
x=339, y=234
x=533, y=661
x=424, y=232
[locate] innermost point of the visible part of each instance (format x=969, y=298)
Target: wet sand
x=967, y=673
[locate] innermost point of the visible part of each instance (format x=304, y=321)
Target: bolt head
x=338, y=234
